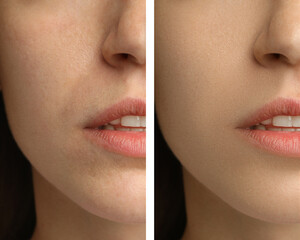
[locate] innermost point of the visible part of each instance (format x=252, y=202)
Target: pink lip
x=281, y=143
x=132, y=144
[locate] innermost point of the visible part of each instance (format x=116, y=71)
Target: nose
x=279, y=41
x=126, y=41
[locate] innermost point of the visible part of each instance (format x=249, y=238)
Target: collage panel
x=227, y=142
x=73, y=120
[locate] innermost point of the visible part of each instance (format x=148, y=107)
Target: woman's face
x=217, y=63
x=63, y=64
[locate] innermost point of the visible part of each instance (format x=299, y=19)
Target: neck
x=60, y=218
x=208, y=217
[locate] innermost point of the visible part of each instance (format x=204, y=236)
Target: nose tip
x=279, y=41
x=120, y=48
x=126, y=42
x=283, y=48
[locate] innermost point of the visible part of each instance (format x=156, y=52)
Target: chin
x=131, y=213
x=279, y=207
x=123, y=200
x=278, y=214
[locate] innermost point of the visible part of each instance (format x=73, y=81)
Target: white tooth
x=297, y=129
x=115, y=122
x=296, y=121
x=260, y=127
x=109, y=127
x=267, y=122
x=130, y=121
x=123, y=129
x=137, y=129
x=143, y=121
x=282, y=121
x=288, y=129
x=274, y=129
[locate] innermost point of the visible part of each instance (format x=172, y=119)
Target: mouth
x=121, y=128
x=275, y=127
x=279, y=123
x=126, y=123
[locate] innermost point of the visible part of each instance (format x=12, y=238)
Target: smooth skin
x=62, y=62
x=217, y=61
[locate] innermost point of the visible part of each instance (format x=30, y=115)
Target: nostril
x=124, y=55
x=276, y=57
x=121, y=57
x=117, y=59
x=273, y=56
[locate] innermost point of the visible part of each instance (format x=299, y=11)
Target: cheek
x=39, y=67
x=192, y=86
x=205, y=67
x=29, y=92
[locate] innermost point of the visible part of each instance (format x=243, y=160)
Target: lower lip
x=131, y=144
x=278, y=142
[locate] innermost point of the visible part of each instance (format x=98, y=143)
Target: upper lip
x=280, y=106
x=129, y=106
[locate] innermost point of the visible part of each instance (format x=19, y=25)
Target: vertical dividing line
x=150, y=119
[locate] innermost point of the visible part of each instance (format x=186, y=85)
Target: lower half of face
x=104, y=183
x=207, y=84
x=55, y=82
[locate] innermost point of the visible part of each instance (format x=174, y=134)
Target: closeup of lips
x=275, y=127
x=120, y=128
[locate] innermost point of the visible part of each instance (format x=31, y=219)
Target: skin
x=61, y=63
x=214, y=68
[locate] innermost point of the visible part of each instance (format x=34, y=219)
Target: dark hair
x=170, y=215
x=17, y=211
